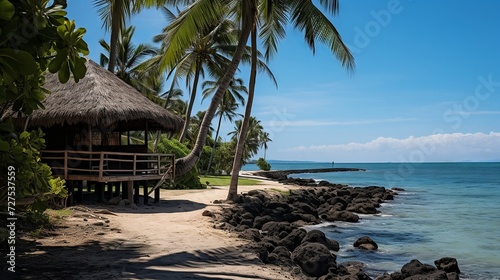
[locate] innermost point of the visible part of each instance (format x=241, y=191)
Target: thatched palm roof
x=100, y=98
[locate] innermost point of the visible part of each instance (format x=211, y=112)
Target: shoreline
x=282, y=174
x=188, y=235
x=445, y=267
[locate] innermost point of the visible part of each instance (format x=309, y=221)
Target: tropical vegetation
x=264, y=19
x=35, y=37
x=203, y=39
x=263, y=164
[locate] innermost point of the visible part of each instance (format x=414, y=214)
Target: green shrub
x=263, y=164
x=189, y=181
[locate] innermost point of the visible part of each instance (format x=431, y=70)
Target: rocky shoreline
x=273, y=222
x=280, y=175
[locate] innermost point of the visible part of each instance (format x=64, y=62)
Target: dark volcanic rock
x=251, y=234
x=261, y=220
x=365, y=243
x=273, y=220
x=314, y=258
x=392, y=276
x=275, y=228
x=447, y=264
x=415, y=267
x=281, y=256
x=436, y=275
x=345, y=216
x=319, y=237
x=294, y=239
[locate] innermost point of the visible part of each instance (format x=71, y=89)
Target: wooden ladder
x=162, y=180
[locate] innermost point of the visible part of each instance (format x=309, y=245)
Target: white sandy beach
x=167, y=241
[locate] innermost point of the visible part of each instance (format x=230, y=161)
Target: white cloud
x=437, y=147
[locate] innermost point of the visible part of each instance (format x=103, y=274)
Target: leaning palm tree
x=195, y=125
x=227, y=108
x=273, y=16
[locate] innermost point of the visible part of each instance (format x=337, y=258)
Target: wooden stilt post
x=79, y=196
x=89, y=186
x=130, y=189
x=117, y=188
x=136, y=192
x=157, y=195
x=145, y=192
x=109, y=190
x=100, y=191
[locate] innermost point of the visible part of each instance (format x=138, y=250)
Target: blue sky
x=426, y=85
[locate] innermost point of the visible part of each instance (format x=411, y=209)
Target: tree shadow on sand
x=165, y=206
x=124, y=259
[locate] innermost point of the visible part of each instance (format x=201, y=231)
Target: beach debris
x=124, y=202
x=207, y=213
x=115, y=200
x=85, y=212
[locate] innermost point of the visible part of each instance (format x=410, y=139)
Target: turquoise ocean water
x=446, y=210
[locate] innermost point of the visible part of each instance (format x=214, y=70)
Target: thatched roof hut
x=100, y=99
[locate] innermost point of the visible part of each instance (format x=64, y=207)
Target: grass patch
x=59, y=213
x=284, y=192
x=226, y=180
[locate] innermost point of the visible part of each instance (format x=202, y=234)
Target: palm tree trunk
x=167, y=100
x=215, y=144
x=116, y=20
x=233, y=188
x=183, y=165
x=191, y=101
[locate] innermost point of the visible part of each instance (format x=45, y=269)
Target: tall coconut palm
x=264, y=139
x=128, y=58
x=115, y=13
x=273, y=15
x=252, y=140
x=306, y=17
x=227, y=108
x=209, y=50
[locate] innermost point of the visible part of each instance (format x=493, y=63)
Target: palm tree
x=195, y=125
x=314, y=24
x=227, y=108
x=209, y=50
x=129, y=58
x=273, y=16
x=264, y=139
x=252, y=140
x=115, y=13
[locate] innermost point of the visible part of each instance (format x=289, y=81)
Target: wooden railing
x=101, y=165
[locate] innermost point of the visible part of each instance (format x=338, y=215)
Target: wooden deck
x=121, y=174
x=109, y=166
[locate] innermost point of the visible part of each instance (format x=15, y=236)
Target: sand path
x=170, y=240
x=174, y=241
